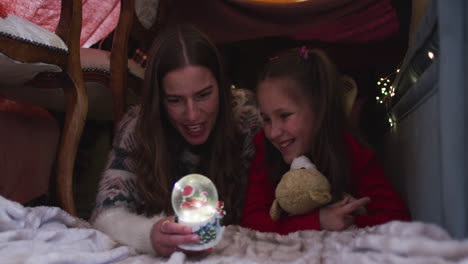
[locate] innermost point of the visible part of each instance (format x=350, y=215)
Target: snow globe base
x=210, y=232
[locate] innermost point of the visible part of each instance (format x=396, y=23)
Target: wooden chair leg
x=119, y=59
x=118, y=94
x=75, y=117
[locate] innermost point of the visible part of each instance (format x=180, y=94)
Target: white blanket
x=50, y=235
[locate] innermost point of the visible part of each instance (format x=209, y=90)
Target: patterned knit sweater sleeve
x=117, y=186
x=117, y=200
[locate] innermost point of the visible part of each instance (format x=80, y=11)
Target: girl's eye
x=266, y=119
x=285, y=115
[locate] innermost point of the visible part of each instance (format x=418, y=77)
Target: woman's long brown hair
x=319, y=82
x=159, y=145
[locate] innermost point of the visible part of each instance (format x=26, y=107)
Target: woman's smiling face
x=191, y=99
x=288, y=120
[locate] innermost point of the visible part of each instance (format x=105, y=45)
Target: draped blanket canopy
x=344, y=21
x=332, y=21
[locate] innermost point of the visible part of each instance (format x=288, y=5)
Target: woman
x=185, y=124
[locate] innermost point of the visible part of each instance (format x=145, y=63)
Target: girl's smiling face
x=191, y=98
x=288, y=117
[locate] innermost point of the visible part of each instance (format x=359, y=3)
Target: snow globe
x=195, y=203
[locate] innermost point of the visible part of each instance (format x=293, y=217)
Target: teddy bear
x=303, y=189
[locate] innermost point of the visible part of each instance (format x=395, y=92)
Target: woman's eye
x=172, y=100
x=204, y=95
x=285, y=115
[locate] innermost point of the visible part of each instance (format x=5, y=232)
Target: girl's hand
x=361, y=210
x=166, y=236
x=338, y=216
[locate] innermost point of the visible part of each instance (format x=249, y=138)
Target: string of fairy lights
x=387, y=89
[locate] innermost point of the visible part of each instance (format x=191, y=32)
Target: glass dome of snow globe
x=194, y=198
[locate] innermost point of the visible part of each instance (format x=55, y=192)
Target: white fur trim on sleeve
x=127, y=228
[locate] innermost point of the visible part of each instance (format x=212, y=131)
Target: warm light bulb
x=198, y=215
x=430, y=54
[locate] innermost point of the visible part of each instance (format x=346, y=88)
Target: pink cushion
x=29, y=138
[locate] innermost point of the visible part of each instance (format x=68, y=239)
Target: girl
x=301, y=103
x=186, y=123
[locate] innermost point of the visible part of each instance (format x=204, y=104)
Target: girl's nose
x=275, y=130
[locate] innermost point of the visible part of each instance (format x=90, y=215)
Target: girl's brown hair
x=159, y=145
x=318, y=82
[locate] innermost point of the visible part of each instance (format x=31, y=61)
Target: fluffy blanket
x=50, y=235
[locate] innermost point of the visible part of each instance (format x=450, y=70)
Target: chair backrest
x=129, y=25
x=68, y=30
x=147, y=32
x=69, y=27
x=119, y=60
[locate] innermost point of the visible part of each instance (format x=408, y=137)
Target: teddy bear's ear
x=275, y=210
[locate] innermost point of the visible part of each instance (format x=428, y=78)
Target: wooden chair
x=111, y=78
x=103, y=80
x=108, y=74
x=27, y=49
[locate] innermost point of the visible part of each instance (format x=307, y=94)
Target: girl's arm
x=256, y=214
x=370, y=181
x=385, y=203
x=260, y=196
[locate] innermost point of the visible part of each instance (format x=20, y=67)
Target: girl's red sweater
x=368, y=178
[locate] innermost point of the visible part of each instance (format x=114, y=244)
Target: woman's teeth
x=195, y=128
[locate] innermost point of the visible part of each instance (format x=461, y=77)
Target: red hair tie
x=273, y=58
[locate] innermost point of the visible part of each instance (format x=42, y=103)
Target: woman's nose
x=191, y=110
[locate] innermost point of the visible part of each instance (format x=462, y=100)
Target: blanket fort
x=50, y=235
